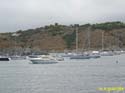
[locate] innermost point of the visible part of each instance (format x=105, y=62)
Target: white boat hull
x=43, y=61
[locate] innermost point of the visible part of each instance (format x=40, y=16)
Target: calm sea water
x=83, y=76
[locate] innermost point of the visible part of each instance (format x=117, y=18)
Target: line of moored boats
x=57, y=57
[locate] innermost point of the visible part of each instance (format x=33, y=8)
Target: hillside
x=61, y=37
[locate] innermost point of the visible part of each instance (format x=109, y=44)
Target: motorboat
x=57, y=56
x=4, y=58
x=68, y=54
x=119, y=52
x=106, y=53
x=94, y=54
x=16, y=57
x=42, y=59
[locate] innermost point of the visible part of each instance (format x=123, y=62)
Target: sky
x=28, y=14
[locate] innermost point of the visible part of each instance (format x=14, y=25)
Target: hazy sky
x=25, y=14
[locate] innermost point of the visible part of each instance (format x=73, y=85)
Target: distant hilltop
x=61, y=37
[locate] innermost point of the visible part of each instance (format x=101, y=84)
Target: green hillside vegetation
x=109, y=26
x=70, y=39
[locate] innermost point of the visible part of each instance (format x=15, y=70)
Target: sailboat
x=92, y=54
x=78, y=56
x=15, y=56
x=105, y=53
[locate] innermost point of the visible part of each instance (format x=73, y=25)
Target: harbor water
x=69, y=76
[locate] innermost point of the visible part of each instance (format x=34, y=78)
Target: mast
x=76, y=39
x=102, y=40
x=15, y=35
x=88, y=36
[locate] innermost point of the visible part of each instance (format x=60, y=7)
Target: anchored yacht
x=42, y=59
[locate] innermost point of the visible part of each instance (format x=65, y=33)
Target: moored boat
x=106, y=53
x=80, y=57
x=42, y=59
x=4, y=58
x=18, y=57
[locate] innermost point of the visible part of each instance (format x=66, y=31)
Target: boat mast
x=102, y=40
x=88, y=36
x=76, y=39
x=15, y=37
